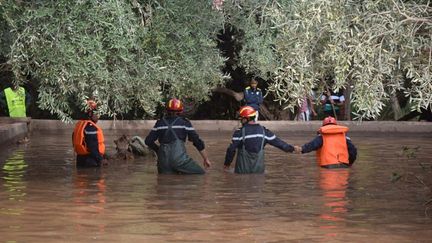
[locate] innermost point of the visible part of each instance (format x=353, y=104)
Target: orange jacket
x=78, y=138
x=334, y=149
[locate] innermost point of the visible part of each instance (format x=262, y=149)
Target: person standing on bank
x=306, y=109
x=88, y=140
x=171, y=132
x=15, y=100
x=250, y=140
x=334, y=148
x=253, y=97
x=332, y=102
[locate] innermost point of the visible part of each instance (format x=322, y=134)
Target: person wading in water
x=171, y=132
x=250, y=140
x=334, y=148
x=88, y=139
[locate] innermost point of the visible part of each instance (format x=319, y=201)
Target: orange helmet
x=92, y=105
x=329, y=120
x=247, y=111
x=174, y=105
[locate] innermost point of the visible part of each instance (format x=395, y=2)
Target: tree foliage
x=131, y=54
x=370, y=45
x=125, y=54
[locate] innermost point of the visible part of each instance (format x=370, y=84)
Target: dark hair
x=90, y=112
x=172, y=113
x=248, y=119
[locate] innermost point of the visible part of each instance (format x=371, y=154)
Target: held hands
x=297, y=149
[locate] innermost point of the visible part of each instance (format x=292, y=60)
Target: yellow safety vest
x=16, y=102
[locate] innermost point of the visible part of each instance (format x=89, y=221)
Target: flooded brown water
x=44, y=198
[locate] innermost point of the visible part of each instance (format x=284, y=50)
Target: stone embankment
x=14, y=129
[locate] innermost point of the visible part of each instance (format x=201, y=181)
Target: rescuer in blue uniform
x=171, y=132
x=253, y=97
x=250, y=141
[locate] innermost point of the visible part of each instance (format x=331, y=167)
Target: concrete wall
x=229, y=125
x=13, y=129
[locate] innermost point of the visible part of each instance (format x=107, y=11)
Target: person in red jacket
x=334, y=148
x=88, y=140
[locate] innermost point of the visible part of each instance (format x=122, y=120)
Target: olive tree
x=131, y=54
x=369, y=46
x=125, y=54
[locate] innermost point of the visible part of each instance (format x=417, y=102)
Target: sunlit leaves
x=131, y=55
x=128, y=55
x=372, y=45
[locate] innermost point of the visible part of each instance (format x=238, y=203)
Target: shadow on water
x=44, y=198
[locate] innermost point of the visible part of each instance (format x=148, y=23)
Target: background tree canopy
x=126, y=54
x=131, y=54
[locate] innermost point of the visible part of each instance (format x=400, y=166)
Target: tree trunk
x=425, y=114
x=409, y=116
x=397, y=112
x=347, y=105
x=264, y=112
x=236, y=95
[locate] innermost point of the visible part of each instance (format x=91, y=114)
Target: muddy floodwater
x=384, y=197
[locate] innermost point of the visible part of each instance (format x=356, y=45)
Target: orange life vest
x=334, y=149
x=78, y=138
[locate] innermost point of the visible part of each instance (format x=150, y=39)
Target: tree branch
x=410, y=18
x=236, y=95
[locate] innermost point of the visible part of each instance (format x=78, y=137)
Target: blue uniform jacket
x=182, y=127
x=317, y=143
x=253, y=97
x=253, y=139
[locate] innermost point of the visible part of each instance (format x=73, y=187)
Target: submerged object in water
x=138, y=147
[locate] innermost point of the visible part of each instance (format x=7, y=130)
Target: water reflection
x=334, y=184
x=198, y=205
x=89, y=198
x=293, y=201
x=176, y=191
x=14, y=170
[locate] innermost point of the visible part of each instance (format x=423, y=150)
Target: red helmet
x=92, y=105
x=329, y=120
x=174, y=105
x=247, y=111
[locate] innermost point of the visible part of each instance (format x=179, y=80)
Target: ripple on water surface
x=43, y=197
